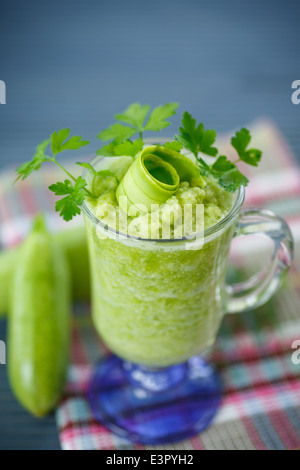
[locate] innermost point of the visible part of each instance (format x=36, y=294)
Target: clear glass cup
x=158, y=305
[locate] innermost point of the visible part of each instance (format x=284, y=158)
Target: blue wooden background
x=76, y=63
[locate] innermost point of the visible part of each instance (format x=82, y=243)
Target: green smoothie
x=157, y=303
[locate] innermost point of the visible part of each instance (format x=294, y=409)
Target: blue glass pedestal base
x=154, y=406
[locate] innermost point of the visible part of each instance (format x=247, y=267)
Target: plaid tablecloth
x=253, y=353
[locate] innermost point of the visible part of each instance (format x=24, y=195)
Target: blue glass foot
x=155, y=406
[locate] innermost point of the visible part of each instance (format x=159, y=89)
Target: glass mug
x=158, y=305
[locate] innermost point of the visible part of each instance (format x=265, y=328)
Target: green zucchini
x=8, y=261
x=73, y=241
x=39, y=322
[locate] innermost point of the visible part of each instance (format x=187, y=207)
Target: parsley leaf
x=60, y=189
x=252, y=157
x=225, y=172
x=134, y=115
x=195, y=138
x=59, y=142
x=117, y=132
x=69, y=206
x=157, y=120
x=240, y=142
x=231, y=180
x=222, y=164
x=188, y=133
x=74, y=191
x=129, y=148
x=24, y=170
x=174, y=146
x=205, y=169
x=126, y=148
x=206, y=141
x=107, y=150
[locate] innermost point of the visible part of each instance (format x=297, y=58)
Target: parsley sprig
x=191, y=136
x=69, y=206
x=74, y=189
x=134, y=118
x=200, y=141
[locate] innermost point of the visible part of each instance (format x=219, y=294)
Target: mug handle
x=261, y=286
